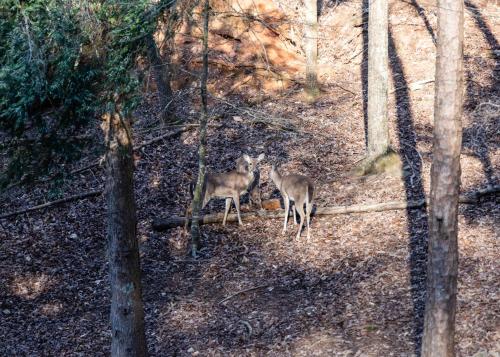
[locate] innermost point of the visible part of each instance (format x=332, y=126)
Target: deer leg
x=189, y=209
x=287, y=209
x=236, y=199
x=308, y=216
x=300, y=208
x=227, y=209
x=294, y=213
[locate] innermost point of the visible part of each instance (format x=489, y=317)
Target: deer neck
x=276, y=177
x=250, y=177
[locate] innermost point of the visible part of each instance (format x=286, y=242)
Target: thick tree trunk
x=439, y=325
x=311, y=47
x=378, y=70
x=198, y=192
x=127, y=315
x=161, y=75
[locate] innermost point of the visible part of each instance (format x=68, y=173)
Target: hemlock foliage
x=62, y=63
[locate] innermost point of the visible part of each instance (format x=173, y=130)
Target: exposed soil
x=356, y=289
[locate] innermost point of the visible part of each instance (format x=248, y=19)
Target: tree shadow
x=421, y=13
x=323, y=5
x=483, y=129
x=290, y=302
x=417, y=218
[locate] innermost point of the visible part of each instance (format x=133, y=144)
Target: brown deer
x=253, y=189
x=230, y=185
x=300, y=190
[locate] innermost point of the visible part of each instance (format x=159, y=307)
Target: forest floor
x=357, y=288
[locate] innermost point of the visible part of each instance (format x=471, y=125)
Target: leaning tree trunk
x=161, y=76
x=378, y=70
x=127, y=315
x=198, y=192
x=311, y=48
x=439, y=325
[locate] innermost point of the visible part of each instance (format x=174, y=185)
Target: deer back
x=297, y=187
x=227, y=184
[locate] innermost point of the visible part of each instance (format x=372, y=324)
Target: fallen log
x=160, y=224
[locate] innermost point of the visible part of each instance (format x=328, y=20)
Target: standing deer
x=230, y=185
x=300, y=190
x=253, y=189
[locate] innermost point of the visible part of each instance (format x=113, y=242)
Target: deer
x=230, y=185
x=253, y=189
x=300, y=190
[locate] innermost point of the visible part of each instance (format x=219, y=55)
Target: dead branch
x=160, y=224
x=259, y=117
x=241, y=292
x=164, y=136
x=53, y=203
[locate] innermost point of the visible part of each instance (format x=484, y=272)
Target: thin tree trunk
x=378, y=70
x=442, y=271
x=198, y=192
x=161, y=75
x=127, y=315
x=311, y=47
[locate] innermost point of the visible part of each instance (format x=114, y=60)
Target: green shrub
x=47, y=88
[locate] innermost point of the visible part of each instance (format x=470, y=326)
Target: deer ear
x=261, y=157
x=246, y=158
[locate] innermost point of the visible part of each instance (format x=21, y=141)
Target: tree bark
x=198, y=192
x=442, y=270
x=161, y=75
x=127, y=315
x=311, y=48
x=378, y=71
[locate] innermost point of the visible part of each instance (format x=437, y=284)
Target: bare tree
x=442, y=270
x=311, y=48
x=378, y=72
x=127, y=315
x=198, y=192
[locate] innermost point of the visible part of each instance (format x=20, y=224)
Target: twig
x=347, y=90
x=164, y=136
x=243, y=291
x=53, y=203
x=354, y=56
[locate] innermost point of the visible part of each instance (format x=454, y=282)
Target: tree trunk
x=127, y=315
x=311, y=48
x=378, y=54
x=161, y=75
x=198, y=192
x=439, y=325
